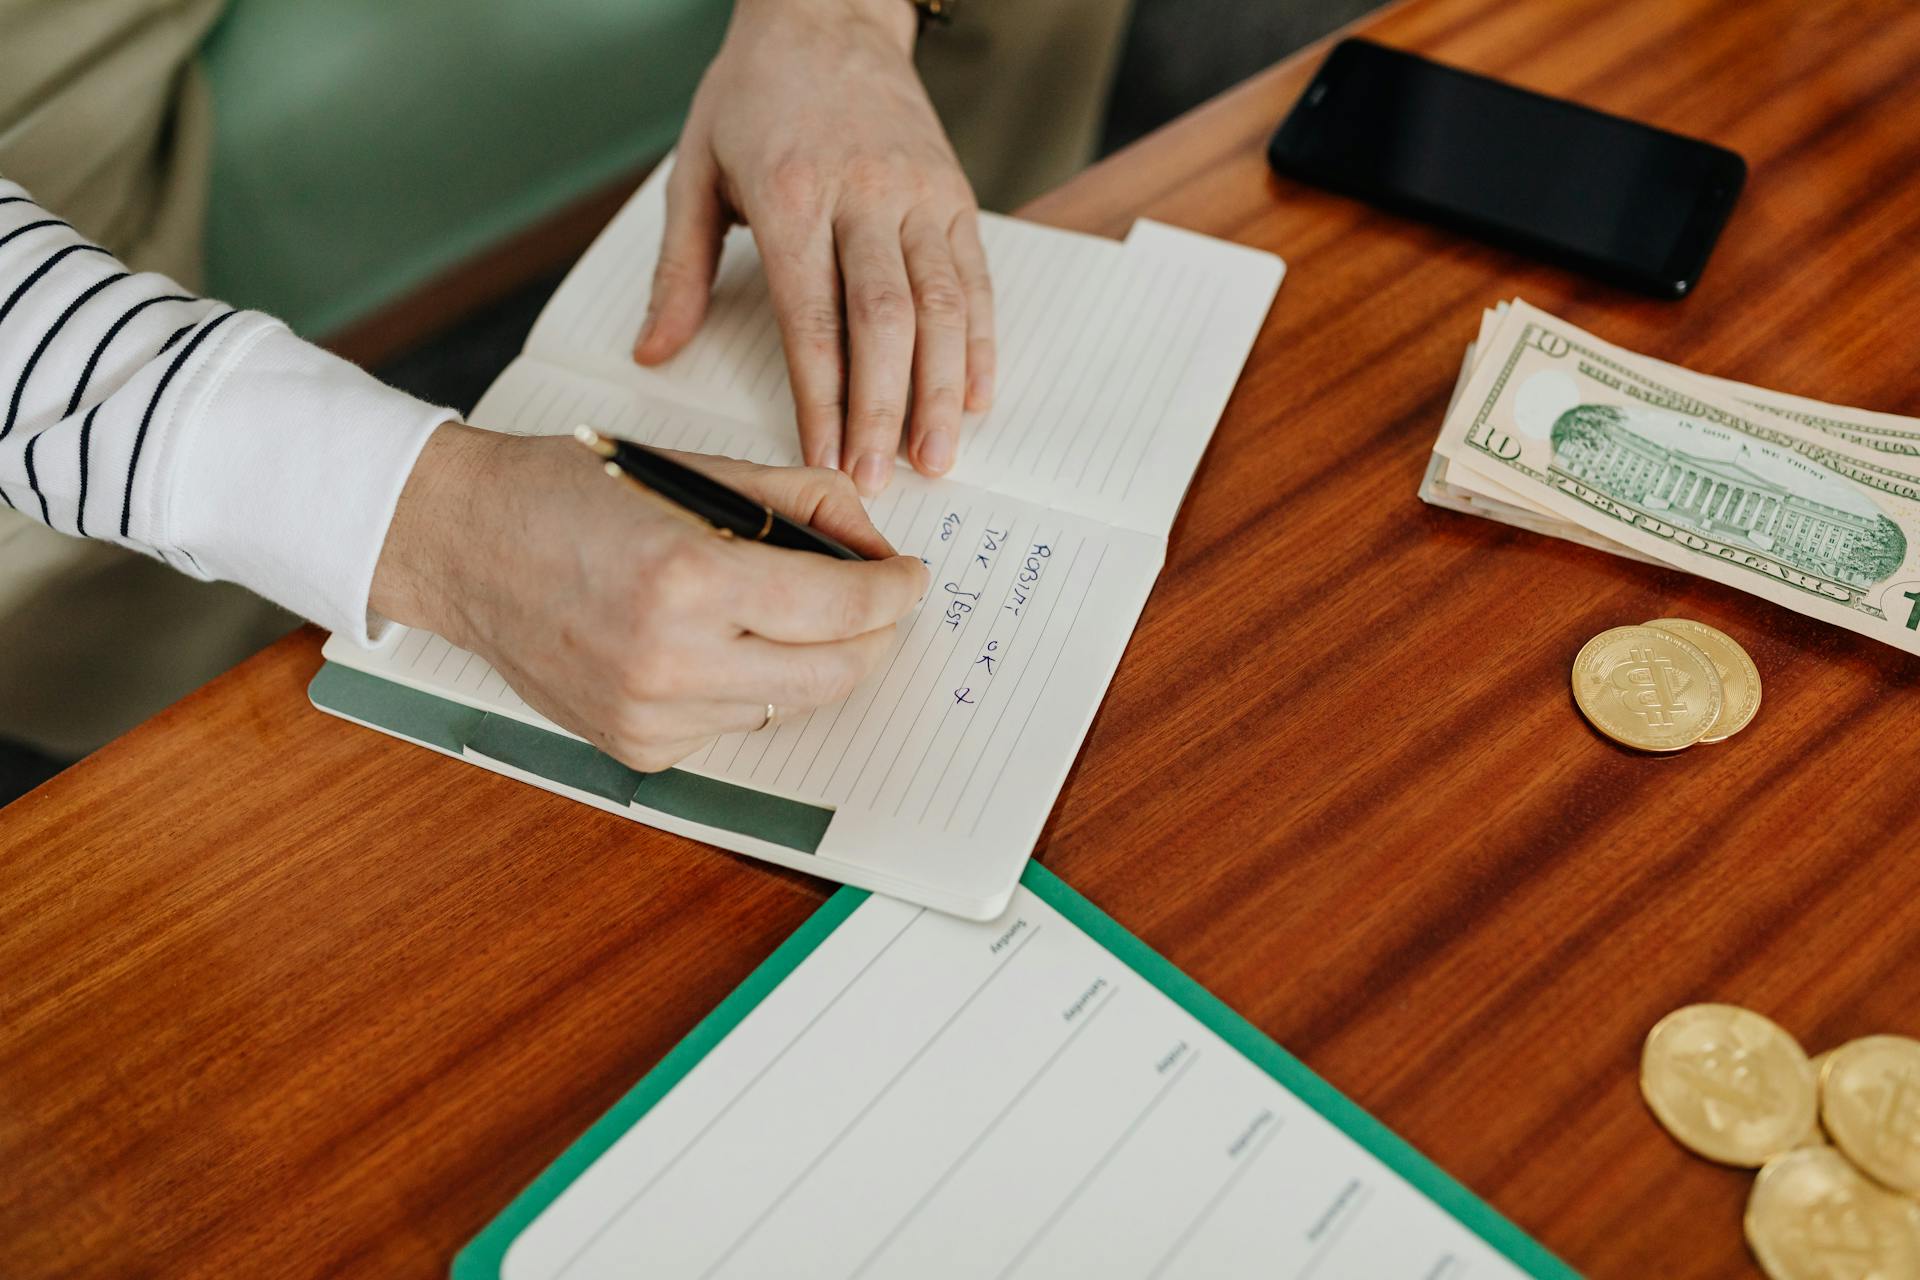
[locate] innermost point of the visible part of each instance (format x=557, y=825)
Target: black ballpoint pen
x=722, y=510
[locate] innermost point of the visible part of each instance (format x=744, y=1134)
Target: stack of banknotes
x=1813, y=506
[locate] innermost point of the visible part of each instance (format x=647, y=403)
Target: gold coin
x=1871, y=1105
x=1813, y=1216
x=1646, y=689
x=1727, y=1083
x=1739, y=678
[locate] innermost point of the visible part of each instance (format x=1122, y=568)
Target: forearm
x=210, y=438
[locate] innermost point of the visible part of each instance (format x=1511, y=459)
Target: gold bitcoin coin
x=1728, y=1084
x=1813, y=1216
x=1870, y=1101
x=1739, y=678
x=1646, y=689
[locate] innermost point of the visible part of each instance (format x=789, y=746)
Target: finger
x=652, y=757
x=833, y=506
x=689, y=254
x=804, y=286
x=939, y=343
x=814, y=496
x=828, y=501
x=798, y=598
x=797, y=677
x=879, y=345
x=970, y=260
x=671, y=722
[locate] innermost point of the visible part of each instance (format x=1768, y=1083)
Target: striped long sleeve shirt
x=209, y=437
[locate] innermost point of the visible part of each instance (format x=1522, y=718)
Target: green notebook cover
x=456, y=729
x=482, y=1258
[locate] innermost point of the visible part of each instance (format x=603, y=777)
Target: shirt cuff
x=287, y=463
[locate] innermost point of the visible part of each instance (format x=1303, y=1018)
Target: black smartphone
x=1616, y=199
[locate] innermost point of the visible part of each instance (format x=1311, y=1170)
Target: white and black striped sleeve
x=211, y=438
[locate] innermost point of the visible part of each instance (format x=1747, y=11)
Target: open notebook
x=932, y=780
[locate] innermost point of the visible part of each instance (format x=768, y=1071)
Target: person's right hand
x=640, y=632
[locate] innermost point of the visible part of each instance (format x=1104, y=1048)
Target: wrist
x=897, y=21
x=417, y=581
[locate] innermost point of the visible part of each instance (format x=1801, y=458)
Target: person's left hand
x=812, y=127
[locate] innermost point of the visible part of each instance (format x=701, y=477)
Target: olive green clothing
x=1022, y=86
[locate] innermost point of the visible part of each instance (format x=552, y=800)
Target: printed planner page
x=923, y=1097
x=1115, y=360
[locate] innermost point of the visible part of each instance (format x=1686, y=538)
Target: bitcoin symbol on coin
x=1731, y=1082
x=1872, y=1107
x=1650, y=686
x=1728, y=1083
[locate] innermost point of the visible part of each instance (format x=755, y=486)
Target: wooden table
x=280, y=996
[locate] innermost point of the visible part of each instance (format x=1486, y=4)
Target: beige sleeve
x=104, y=117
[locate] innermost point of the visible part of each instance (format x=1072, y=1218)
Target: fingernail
x=936, y=451
x=871, y=473
x=980, y=390
x=829, y=456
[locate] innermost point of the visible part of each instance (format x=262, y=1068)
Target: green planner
x=875, y=1100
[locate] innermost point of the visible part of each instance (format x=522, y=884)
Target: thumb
x=689, y=253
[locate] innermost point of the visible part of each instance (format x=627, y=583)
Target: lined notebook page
x=1115, y=359
x=1006, y=656
x=1024, y=604
x=735, y=364
x=533, y=398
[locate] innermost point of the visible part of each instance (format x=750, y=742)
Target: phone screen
x=1620, y=199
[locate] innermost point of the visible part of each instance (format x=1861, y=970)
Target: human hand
x=620, y=621
x=813, y=128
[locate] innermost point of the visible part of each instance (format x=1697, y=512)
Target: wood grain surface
x=283, y=997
